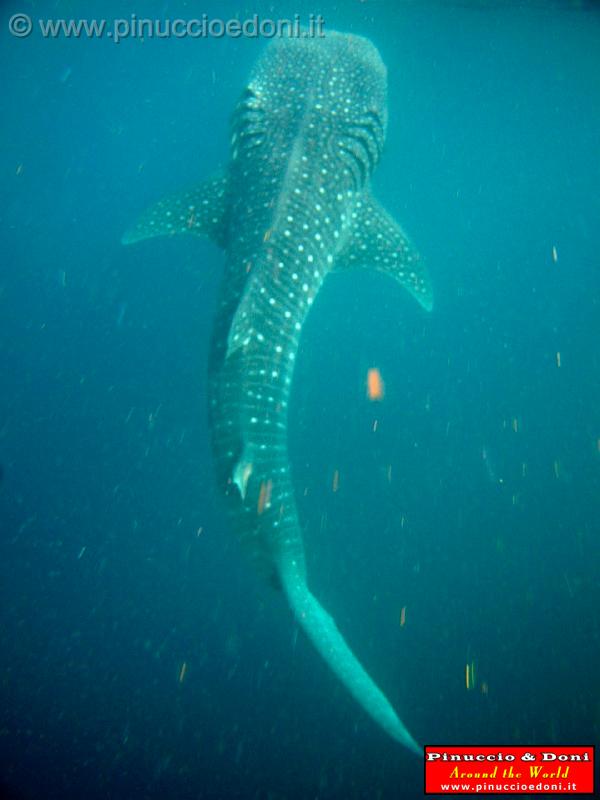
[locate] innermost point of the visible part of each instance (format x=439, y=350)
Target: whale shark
x=293, y=205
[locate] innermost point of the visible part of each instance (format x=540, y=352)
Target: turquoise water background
x=139, y=657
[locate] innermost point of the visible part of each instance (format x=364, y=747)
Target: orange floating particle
x=336, y=480
x=375, y=385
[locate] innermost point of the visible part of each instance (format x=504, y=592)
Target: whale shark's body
x=293, y=205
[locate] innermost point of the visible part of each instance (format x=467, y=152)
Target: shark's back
x=310, y=122
x=306, y=135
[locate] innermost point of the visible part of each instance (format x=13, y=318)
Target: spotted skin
x=293, y=205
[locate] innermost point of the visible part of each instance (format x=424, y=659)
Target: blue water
x=139, y=656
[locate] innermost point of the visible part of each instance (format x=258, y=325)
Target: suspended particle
x=375, y=385
x=264, y=496
x=470, y=676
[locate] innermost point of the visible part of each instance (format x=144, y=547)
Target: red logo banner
x=541, y=769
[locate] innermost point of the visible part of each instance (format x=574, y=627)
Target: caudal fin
x=321, y=629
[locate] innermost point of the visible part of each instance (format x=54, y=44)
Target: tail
x=323, y=633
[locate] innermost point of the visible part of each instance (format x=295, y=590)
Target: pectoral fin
x=202, y=210
x=377, y=241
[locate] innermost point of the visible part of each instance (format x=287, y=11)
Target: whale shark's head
x=343, y=70
x=329, y=91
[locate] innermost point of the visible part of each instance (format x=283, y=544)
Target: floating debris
x=336, y=480
x=470, y=676
x=568, y=582
x=264, y=496
x=121, y=314
x=65, y=74
x=375, y=385
x=182, y=672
